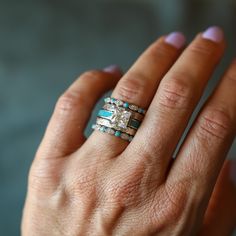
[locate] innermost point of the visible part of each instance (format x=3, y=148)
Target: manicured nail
x=214, y=34
x=113, y=69
x=233, y=171
x=176, y=39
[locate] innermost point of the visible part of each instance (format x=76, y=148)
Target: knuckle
x=160, y=52
x=91, y=75
x=169, y=205
x=175, y=93
x=81, y=185
x=125, y=190
x=69, y=100
x=202, y=48
x=131, y=86
x=215, y=123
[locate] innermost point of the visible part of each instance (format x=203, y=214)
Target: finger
x=204, y=150
x=139, y=84
x=221, y=210
x=175, y=100
x=65, y=132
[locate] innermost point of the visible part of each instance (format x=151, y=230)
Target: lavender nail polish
x=214, y=34
x=113, y=69
x=176, y=39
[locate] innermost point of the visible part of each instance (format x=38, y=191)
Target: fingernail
x=214, y=34
x=176, y=39
x=233, y=171
x=113, y=69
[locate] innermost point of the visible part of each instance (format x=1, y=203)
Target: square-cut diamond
x=121, y=118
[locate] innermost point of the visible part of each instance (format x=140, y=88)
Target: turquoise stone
x=134, y=123
x=140, y=110
x=113, y=100
x=117, y=133
x=105, y=113
x=126, y=105
x=103, y=129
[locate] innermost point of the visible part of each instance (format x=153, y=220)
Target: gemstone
x=133, y=107
x=107, y=100
x=104, y=113
x=140, y=110
x=126, y=105
x=103, y=129
x=117, y=133
x=113, y=100
x=109, y=107
x=120, y=118
x=110, y=131
x=119, y=102
x=96, y=126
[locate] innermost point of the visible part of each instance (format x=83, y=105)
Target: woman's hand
x=106, y=186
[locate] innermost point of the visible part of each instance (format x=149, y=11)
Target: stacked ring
x=119, y=118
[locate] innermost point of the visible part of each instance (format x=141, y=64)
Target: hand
x=104, y=185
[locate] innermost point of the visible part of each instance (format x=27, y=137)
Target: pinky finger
x=65, y=131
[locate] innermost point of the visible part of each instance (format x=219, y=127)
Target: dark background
x=45, y=45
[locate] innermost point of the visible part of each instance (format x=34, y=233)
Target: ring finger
x=139, y=84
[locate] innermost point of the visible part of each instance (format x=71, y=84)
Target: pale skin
x=104, y=185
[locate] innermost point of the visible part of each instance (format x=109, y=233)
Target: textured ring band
x=119, y=118
x=107, y=123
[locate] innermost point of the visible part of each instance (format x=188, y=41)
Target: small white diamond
x=119, y=103
x=110, y=131
x=133, y=107
x=96, y=127
x=109, y=107
x=107, y=100
x=124, y=136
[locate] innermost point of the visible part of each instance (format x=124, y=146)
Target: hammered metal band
x=119, y=118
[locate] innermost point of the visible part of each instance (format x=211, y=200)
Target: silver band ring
x=119, y=118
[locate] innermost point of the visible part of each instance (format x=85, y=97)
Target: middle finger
x=176, y=98
x=139, y=84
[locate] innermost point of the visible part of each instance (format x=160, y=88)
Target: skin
x=104, y=186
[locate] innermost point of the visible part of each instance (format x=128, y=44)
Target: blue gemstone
x=104, y=113
x=117, y=133
x=103, y=129
x=140, y=110
x=113, y=100
x=126, y=105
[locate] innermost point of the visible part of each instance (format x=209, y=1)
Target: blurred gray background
x=45, y=45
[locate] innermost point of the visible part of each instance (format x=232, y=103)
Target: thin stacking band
x=119, y=118
x=124, y=104
x=105, y=122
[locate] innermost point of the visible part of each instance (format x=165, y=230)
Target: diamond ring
x=119, y=118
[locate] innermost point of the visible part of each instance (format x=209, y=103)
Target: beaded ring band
x=119, y=118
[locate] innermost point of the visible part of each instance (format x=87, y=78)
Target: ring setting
x=119, y=118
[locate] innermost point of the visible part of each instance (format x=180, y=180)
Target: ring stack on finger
x=119, y=118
